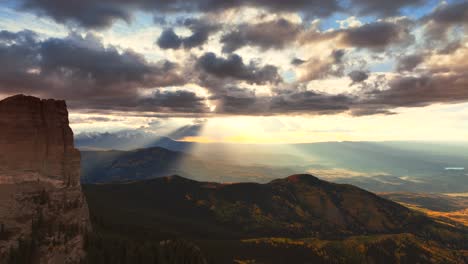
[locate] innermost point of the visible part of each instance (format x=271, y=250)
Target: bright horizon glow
x=444, y=123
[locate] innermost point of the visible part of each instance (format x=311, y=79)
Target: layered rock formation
x=35, y=138
x=41, y=202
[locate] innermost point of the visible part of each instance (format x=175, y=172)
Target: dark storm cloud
x=93, y=76
x=201, y=31
x=236, y=100
x=100, y=14
x=169, y=40
x=285, y=100
x=443, y=19
x=375, y=36
x=86, y=13
x=450, y=47
x=86, y=58
x=338, y=55
x=358, y=76
x=24, y=36
x=20, y=52
x=441, y=84
x=309, y=102
x=408, y=63
x=383, y=7
x=408, y=91
x=233, y=67
x=266, y=35
x=174, y=101
x=450, y=14
x=79, y=69
x=297, y=61
x=279, y=33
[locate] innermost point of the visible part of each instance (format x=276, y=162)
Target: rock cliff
x=43, y=213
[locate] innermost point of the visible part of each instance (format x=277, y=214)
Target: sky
x=245, y=71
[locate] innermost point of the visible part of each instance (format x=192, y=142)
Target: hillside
x=300, y=214
x=300, y=205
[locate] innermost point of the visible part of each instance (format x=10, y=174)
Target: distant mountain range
x=116, y=166
x=297, y=216
x=127, y=140
x=375, y=166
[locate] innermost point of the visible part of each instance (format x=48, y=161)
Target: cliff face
x=40, y=194
x=35, y=138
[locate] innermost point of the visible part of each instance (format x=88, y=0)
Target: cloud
x=87, y=59
x=311, y=102
x=101, y=14
x=92, y=119
x=233, y=67
x=319, y=68
x=443, y=19
x=408, y=91
x=79, y=69
x=98, y=77
x=174, y=101
x=449, y=14
x=358, y=76
x=442, y=79
x=274, y=34
x=236, y=100
x=375, y=36
x=201, y=30
x=169, y=40
x=383, y=7
x=408, y=63
x=297, y=61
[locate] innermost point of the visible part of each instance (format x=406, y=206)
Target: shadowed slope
x=297, y=206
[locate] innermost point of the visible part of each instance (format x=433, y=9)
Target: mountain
x=147, y=163
x=43, y=214
x=127, y=140
x=375, y=166
x=300, y=205
x=269, y=222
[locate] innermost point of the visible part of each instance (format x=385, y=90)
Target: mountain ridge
x=300, y=218
x=313, y=205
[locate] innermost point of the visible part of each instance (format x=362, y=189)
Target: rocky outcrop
x=35, y=138
x=41, y=202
